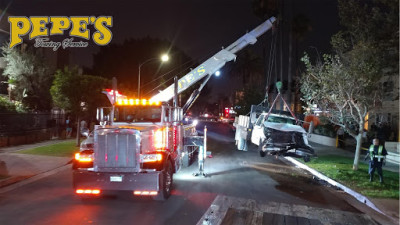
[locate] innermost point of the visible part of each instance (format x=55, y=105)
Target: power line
x=190, y=66
x=165, y=74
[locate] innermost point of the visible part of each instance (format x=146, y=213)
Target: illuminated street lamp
x=163, y=58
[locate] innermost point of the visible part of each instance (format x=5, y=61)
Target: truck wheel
x=165, y=184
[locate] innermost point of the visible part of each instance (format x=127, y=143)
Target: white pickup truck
x=277, y=134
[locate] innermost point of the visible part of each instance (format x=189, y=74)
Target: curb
x=361, y=198
x=12, y=180
x=22, y=182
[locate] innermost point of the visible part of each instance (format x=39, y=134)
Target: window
x=132, y=114
x=275, y=119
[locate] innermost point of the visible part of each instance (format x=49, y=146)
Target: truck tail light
x=84, y=157
x=150, y=158
x=88, y=191
x=145, y=193
x=160, y=139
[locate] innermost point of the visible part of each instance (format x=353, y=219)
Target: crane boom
x=213, y=64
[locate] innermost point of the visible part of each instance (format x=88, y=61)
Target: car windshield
x=275, y=119
x=132, y=114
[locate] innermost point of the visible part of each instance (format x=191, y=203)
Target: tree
x=251, y=97
x=247, y=71
x=347, y=94
x=346, y=84
x=29, y=76
x=70, y=90
x=265, y=8
x=374, y=25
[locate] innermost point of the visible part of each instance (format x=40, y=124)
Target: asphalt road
x=232, y=173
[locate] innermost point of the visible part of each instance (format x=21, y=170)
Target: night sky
x=199, y=27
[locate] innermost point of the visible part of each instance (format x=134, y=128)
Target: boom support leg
x=202, y=156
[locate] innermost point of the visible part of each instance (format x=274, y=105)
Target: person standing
x=377, y=154
x=340, y=136
x=68, y=124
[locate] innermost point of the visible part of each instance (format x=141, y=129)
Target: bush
x=6, y=105
x=325, y=130
x=19, y=107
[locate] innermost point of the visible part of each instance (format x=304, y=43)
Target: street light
x=163, y=58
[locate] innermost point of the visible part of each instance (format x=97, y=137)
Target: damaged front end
x=286, y=140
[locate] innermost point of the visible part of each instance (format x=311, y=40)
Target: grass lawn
x=66, y=148
x=341, y=170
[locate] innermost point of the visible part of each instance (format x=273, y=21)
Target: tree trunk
x=78, y=132
x=358, y=150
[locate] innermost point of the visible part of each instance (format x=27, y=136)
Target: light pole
x=163, y=58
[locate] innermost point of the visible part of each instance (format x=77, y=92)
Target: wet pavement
x=231, y=173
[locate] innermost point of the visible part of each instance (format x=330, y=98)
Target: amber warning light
x=137, y=102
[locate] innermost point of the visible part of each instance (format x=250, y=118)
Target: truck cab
x=138, y=150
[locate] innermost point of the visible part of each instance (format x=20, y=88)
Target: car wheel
x=306, y=158
x=262, y=153
x=165, y=184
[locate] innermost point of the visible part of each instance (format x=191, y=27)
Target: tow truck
x=141, y=143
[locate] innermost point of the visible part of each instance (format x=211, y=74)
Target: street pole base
x=200, y=174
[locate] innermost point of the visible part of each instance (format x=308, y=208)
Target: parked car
x=208, y=117
x=86, y=147
x=229, y=120
x=277, y=134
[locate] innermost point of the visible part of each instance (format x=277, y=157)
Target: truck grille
x=116, y=150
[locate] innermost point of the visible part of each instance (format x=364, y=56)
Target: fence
x=16, y=129
x=11, y=123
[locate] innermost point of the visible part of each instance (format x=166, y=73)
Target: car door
x=258, y=130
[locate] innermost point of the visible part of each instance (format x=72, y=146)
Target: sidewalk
x=389, y=206
x=15, y=167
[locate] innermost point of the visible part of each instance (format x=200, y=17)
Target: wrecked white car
x=279, y=135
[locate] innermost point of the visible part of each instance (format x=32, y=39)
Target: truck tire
x=165, y=184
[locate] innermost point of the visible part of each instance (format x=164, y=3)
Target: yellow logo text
x=75, y=26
